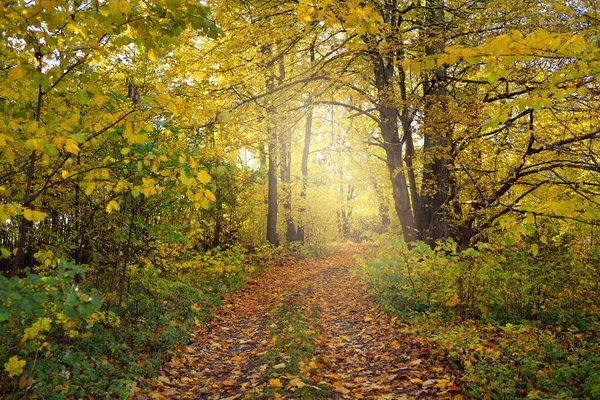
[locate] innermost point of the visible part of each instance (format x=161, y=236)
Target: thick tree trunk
x=304, y=167
x=286, y=182
x=273, y=139
x=272, y=190
x=433, y=219
x=384, y=68
x=388, y=124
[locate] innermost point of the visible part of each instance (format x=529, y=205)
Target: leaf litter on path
x=304, y=329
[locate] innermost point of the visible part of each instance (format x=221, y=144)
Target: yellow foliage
x=31, y=215
x=203, y=177
x=35, y=330
x=111, y=206
x=71, y=146
x=14, y=366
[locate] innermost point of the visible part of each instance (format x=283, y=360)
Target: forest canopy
x=154, y=153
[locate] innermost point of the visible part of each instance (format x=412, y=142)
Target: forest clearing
x=225, y=199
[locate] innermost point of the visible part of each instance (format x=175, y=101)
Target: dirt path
x=306, y=329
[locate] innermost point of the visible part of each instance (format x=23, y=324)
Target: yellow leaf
x=16, y=73
x=31, y=215
x=112, y=205
x=275, y=383
x=224, y=116
x=4, y=140
x=209, y=195
x=453, y=301
x=151, y=55
x=100, y=100
x=59, y=142
x=71, y=146
x=32, y=127
x=125, y=151
x=297, y=382
x=35, y=144
x=535, y=249
x=203, y=177
x=14, y=366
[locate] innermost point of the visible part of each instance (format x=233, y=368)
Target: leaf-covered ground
x=303, y=329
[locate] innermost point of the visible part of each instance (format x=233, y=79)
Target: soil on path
x=304, y=329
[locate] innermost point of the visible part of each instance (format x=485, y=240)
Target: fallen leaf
x=341, y=389
x=297, y=382
x=275, y=383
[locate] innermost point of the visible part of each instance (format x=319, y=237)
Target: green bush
x=61, y=342
x=517, y=322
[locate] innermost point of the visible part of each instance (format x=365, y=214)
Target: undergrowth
x=65, y=339
x=515, y=324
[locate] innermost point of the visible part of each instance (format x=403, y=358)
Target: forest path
x=304, y=329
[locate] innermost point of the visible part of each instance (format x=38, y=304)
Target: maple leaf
x=275, y=383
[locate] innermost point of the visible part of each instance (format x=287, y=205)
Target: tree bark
x=300, y=233
x=272, y=189
x=388, y=125
x=433, y=219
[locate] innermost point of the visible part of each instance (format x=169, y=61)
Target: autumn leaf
x=203, y=177
x=276, y=383
x=112, y=206
x=32, y=215
x=297, y=383
x=71, y=146
x=16, y=73
x=14, y=366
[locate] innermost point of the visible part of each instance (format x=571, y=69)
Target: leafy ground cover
x=524, y=331
x=305, y=329
x=64, y=338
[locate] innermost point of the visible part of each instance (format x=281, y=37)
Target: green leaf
x=4, y=314
x=96, y=300
x=86, y=309
x=4, y=253
x=78, y=137
x=50, y=150
x=40, y=297
x=72, y=299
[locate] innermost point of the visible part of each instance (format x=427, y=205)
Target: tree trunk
x=286, y=182
x=433, y=221
x=272, y=189
x=305, y=152
x=388, y=125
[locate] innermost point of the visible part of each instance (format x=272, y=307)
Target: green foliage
x=505, y=283
x=510, y=361
x=517, y=322
x=73, y=347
